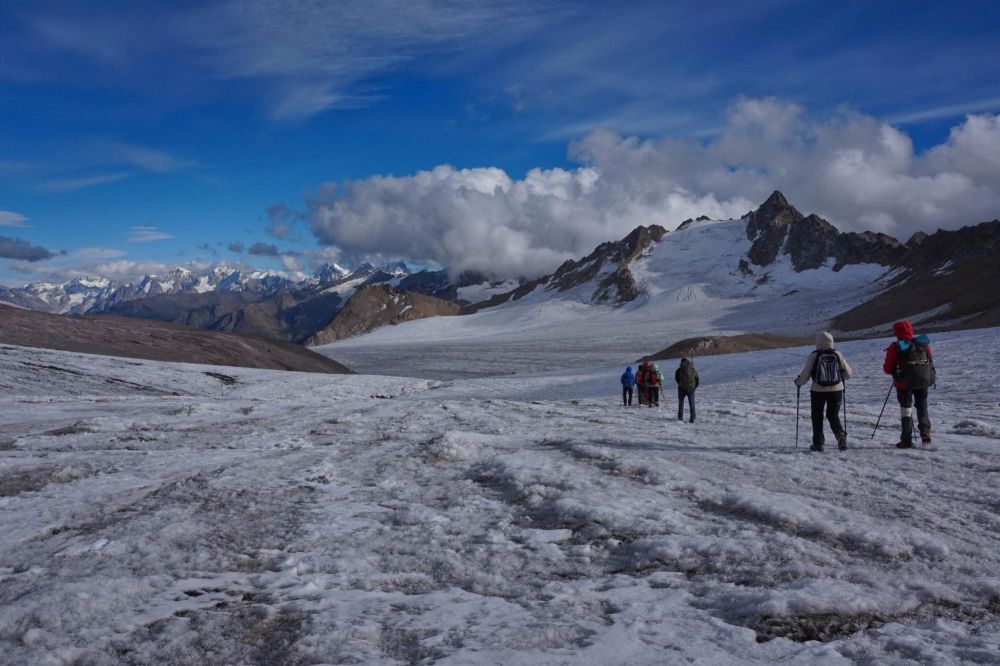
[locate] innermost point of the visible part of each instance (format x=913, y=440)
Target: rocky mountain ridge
x=949, y=277
x=778, y=228
x=605, y=273
x=950, y=274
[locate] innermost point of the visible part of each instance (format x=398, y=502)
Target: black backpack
x=826, y=370
x=915, y=367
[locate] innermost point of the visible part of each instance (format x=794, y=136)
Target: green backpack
x=686, y=377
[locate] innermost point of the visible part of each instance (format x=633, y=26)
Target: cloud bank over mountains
x=857, y=171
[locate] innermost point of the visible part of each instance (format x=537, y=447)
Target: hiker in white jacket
x=828, y=369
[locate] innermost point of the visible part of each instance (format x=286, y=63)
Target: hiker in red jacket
x=909, y=361
x=641, y=382
x=652, y=385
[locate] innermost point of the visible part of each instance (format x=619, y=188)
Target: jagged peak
x=776, y=199
x=775, y=211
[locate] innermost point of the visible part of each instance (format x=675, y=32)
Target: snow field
x=153, y=514
x=689, y=284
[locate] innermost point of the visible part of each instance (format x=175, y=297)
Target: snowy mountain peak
x=397, y=268
x=329, y=273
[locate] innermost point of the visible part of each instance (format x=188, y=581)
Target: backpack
x=915, y=366
x=826, y=370
x=628, y=381
x=685, y=377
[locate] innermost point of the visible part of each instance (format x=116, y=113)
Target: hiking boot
x=842, y=441
x=817, y=448
x=904, y=445
x=925, y=436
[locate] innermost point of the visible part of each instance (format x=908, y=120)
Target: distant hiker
x=828, y=370
x=687, y=381
x=654, y=379
x=628, y=383
x=909, y=361
x=640, y=382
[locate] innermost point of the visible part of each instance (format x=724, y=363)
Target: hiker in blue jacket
x=628, y=383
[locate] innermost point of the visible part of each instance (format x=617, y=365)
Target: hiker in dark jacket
x=909, y=361
x=628, y=383
x=828, y=370
x=687, y=381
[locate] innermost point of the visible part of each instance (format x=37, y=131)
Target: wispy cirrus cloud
x=303, y=56
x=313, y=56
x=63, y=185
x=563, y=67
x=945, y=111
x=147, y=234
x=11, y=219
x=18, y=166
x=148, y=159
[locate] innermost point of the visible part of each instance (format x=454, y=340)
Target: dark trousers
x=626, y=396
x=653, y=395
x=681, y=394
x=827, y=402
x=908, y=398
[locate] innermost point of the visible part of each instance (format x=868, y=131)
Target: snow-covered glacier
x=157, y=513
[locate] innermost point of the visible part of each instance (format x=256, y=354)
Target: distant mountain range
x=96, y=295
x=789, y=264
x=258, y=303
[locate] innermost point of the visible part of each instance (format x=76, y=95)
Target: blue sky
x=135, y=135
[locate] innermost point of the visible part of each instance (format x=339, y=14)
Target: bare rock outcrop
x=712, y=345
x=374, y=306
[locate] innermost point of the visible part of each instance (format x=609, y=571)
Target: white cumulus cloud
x=858, y=172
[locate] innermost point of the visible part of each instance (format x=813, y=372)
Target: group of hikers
x=908, y=359
x=648, y=381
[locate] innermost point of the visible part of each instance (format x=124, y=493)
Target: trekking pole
x=883, y=409
x=798, y=393
x=845, y=407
